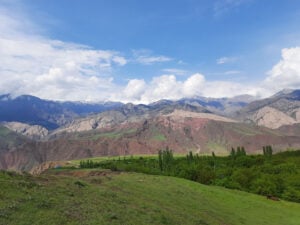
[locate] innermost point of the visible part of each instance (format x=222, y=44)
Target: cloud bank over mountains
x=32, y=63
x=286, y=73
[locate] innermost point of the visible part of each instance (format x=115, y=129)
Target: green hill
x=104, y=197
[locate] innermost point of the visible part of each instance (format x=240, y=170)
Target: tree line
x=266, y=174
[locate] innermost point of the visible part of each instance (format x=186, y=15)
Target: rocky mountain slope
x=34, y=132
x=220, y=106
x=281, y=109
x=10, y=140
x=128, y=113
x=52, y=114
x=271, y=117
x=183, y=125
x=181, y=130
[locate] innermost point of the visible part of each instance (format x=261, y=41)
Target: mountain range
x=33, y=130
x=49, y=114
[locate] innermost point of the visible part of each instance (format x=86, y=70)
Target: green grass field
x=103, y=197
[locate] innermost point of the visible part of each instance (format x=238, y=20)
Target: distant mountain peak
x=285, y=91
x=4, y=97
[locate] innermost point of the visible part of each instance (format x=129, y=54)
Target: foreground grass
x=103, y=197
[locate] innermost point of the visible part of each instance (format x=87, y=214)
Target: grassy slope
x=77, y=197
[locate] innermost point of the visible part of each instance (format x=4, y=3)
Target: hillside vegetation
x=270, y=175
x=102, y=197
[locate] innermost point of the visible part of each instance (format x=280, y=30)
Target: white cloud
x=33, y=64
x=286, y=73
x=119, y=60
x=165, y=86
x=224, y=60
x=194, y=85
x=168, y=87
x=219, y=89
x=145, y=57
x=147, y=60
x=134, y=89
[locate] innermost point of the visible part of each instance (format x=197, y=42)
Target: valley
x=149, y=112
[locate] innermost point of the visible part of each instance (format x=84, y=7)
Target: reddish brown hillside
x=182, y=132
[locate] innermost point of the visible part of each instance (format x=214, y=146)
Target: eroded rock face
x=281, y=109
x=185, y=125
x=296, y=114
x=102, y=120
x=187, y=114
x=272, y=118
x=182, y=131
x=35, y=132
x=48, y=165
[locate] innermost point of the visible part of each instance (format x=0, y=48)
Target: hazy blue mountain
x=49, y=114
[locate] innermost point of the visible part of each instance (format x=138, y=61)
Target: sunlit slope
x=103, y=197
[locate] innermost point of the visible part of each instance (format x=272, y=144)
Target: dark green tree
x=165, y=159
x=268, y=151
x=232, y=153
x=243, y=151
x=190, y=157
x=160, y=161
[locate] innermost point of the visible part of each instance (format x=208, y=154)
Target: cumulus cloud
x=161, y=87
x=194, y=85
x=34, y=64
x=31, y=63
x=286, y=73
x=134, y=89
x=169, y=87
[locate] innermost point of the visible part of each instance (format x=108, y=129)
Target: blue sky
x=150, y=49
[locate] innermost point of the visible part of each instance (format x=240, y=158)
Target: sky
x=143, y=51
